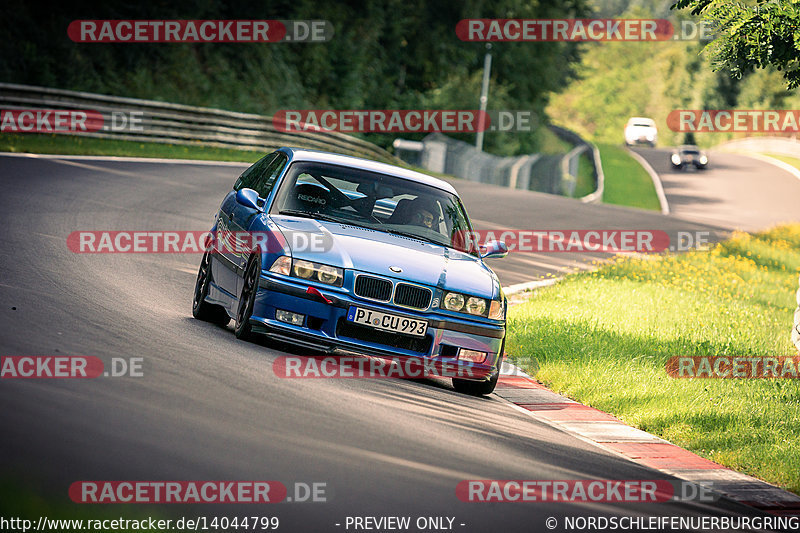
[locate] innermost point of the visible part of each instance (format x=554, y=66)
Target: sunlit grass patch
x=626, y=181
x=604, y=337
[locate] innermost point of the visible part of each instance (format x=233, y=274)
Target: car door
x=225, y=268
x=244, y=219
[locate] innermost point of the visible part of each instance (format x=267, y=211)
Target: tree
x=758, y=34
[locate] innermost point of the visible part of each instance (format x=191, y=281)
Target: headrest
x=310, y=197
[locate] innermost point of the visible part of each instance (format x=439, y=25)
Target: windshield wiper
x=316, y=216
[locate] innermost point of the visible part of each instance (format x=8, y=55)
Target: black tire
x=247, y=299
x=201, y=309
x=476, y=388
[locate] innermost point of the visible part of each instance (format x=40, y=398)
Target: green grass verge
x=552, y=144
x=20, y=499
x=585, y=181
x=603, y=338
x=40, y=143
x=626, y=182
x=77, y=145
x=795, y=162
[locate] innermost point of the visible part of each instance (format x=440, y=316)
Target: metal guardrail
x=164, y=122
x=599, y=179
x=569, y=169
x=569, y=165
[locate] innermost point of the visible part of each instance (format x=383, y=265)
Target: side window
x=266, y=180
x=249, y=177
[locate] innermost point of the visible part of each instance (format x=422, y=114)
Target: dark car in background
x=688, y=155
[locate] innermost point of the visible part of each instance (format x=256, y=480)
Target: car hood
x=373, y=251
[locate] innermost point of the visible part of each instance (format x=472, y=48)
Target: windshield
x=373, y=200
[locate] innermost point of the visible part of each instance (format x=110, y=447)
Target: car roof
x=318, y=156
x=688, y=147
x=642, y=119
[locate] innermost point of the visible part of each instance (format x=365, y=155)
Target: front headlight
x=476, y=306
x=676, y=159
x=329, y=275
x=303, y=269
x=461, y=303
x=453, y=301
x=703, y=160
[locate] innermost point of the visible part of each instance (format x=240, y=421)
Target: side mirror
x=494, y=249
x=248, y=198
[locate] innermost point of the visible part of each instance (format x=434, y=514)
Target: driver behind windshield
x=372, y=200
x=423, y=213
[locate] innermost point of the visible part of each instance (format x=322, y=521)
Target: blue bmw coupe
x=351, y=255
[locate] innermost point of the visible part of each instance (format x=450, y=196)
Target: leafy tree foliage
x=385, y=54
x=756, y=34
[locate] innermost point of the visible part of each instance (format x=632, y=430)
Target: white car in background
x=641, y=130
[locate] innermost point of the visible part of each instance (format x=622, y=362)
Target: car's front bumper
x=686, y=161
x=326, y=328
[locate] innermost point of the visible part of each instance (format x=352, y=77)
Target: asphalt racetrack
x=209, y=407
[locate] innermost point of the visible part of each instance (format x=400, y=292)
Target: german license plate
x=388, y=322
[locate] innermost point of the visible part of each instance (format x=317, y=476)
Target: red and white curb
x=604, y=430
